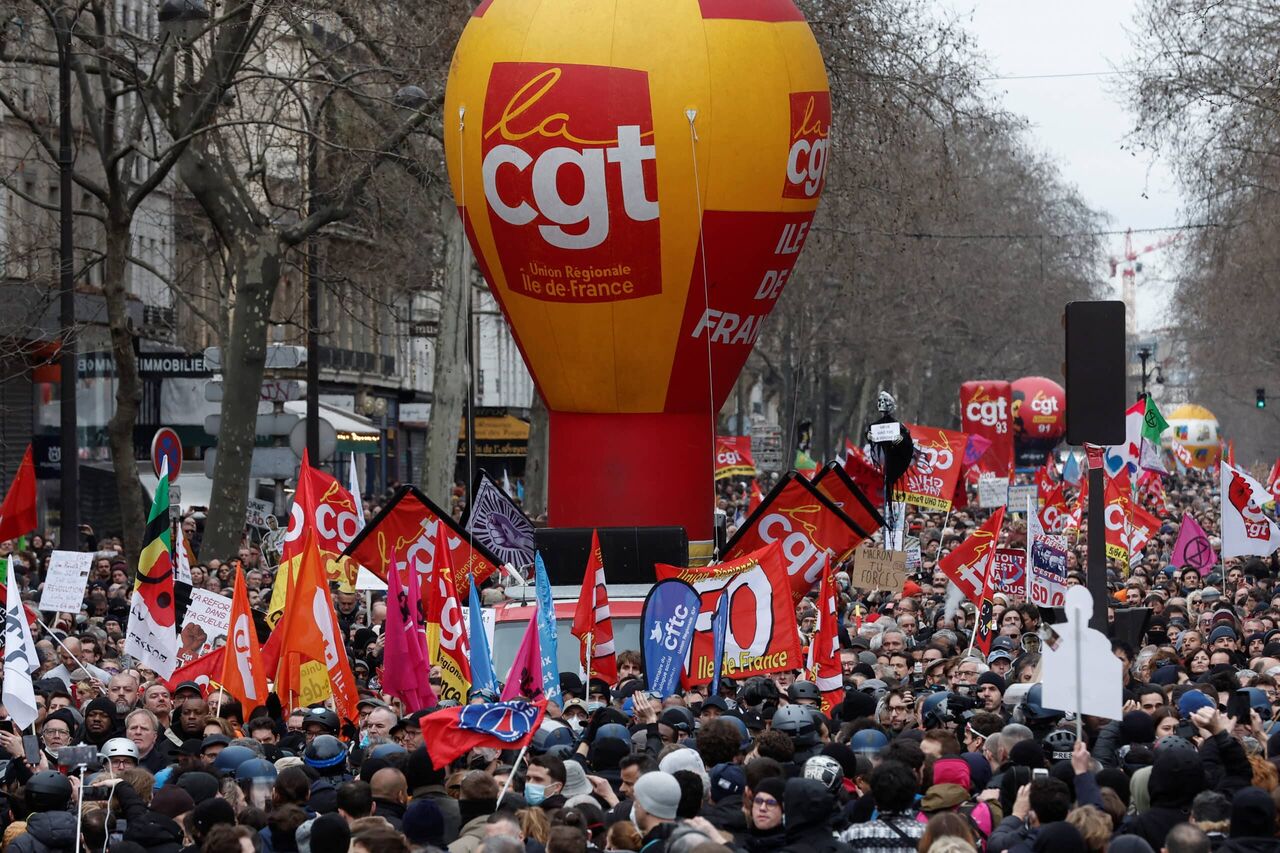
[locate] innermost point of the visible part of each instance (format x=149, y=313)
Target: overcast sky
x=1080, y=122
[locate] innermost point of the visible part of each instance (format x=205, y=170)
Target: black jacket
x=47, y=832
x=809, y=809
x=1176, y=777
x=390, y=811
x=727, y=815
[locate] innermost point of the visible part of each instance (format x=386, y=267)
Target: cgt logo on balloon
x=807, y=156
x=568, y=163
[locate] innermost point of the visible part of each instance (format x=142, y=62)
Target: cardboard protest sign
x=1009, y=571
x=1047, y=571
x=1081, y=675
x=65, y=582
x=876, y=568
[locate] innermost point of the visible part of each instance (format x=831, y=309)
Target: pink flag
x=404, y=671
x=419, y=657
x=1193, y=547
x=525, y=677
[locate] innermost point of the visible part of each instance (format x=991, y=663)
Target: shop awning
x=497, y=436
x=355, y=434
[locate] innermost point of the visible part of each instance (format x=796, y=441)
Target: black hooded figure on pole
x=893, y=453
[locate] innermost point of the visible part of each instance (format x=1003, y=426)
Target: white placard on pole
x=207, y=622
x=65, y=582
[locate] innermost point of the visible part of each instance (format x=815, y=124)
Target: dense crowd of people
x=933, y=747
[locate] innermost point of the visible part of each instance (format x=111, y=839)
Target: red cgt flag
x=824, y=667
x=203, y=671
x=806, y=522
x=406, y=530
x=18, y=512
x=969, y=565
x=593, y=619
x=1118, y=514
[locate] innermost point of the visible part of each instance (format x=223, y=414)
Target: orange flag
x=309, y=631
x=243, y=674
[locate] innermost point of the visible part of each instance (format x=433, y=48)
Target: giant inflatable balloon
x=637, y=179
x=1195, y=429
x=1039, y=418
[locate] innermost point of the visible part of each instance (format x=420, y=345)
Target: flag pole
x=79, y=806
x=1080, y=628
x=63, y=645
x=515, y=768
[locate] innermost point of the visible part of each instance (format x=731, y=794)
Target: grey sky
x=1080, y=121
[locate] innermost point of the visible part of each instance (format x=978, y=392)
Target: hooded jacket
x=808, y=808
x=1176, y=777
x=108, y=707
x=47, y=832
x=1253, y=823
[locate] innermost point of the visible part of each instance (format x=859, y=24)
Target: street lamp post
x=69, y=440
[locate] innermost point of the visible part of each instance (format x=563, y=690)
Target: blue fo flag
x=547, y=632
x=482, y=676
x=668, y=620
x=719, y=628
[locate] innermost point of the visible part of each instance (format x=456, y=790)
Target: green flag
x=1150, y=456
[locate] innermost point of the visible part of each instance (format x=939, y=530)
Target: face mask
x=592, y=707
x=364, y=740
x=535, y=794
x=576, y=725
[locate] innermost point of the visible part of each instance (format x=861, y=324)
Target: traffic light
x=1260, y=398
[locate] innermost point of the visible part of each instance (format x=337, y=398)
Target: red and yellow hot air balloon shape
x=637, y=180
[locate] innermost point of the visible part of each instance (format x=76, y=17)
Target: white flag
x=1246, y=531
x=20, y=658
x=181, y=560
x=354, y=488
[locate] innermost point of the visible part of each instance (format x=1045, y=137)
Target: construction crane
x=1129, y=266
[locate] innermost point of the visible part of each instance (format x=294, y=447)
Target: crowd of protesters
x=931, y=749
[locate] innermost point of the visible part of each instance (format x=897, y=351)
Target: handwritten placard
x=65, y=582
x=876, y=568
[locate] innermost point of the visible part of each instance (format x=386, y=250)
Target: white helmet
x=119, y=747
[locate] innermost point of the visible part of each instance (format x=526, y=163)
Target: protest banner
x=205, y=626
x=762, y=635
x=1117, y=515
x=930, y=482
x=65, y=582
x=986, y=410
x=1010, y=568
x=733, y=457
x=876, y=568
x=1020, y=496
x=1047, y=573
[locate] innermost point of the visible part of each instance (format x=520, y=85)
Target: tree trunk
x=243, y=361
x=535, y=468
x=449, y=381
x=133, y=518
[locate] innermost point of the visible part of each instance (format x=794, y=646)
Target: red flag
x=1054, y=516
x=867, y=477
x=824, y=667
x=592, y=619
x=733, y=457
x=1273, y=480
x=18, y=512
x=309, y=631
x=1142, y=526
x=1117, y=515
x=406, y=529
x=984, y=626
x=757, y=497
x=806, y=522
x=202, y=671
x=243, y=674
x=968, y=565
x=446, y=633
x=1045, y=482
x=450, y=732
x=762, y=634
x=836, y=484
x=930, y=482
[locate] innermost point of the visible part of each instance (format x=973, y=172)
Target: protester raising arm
x=1226, y=767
